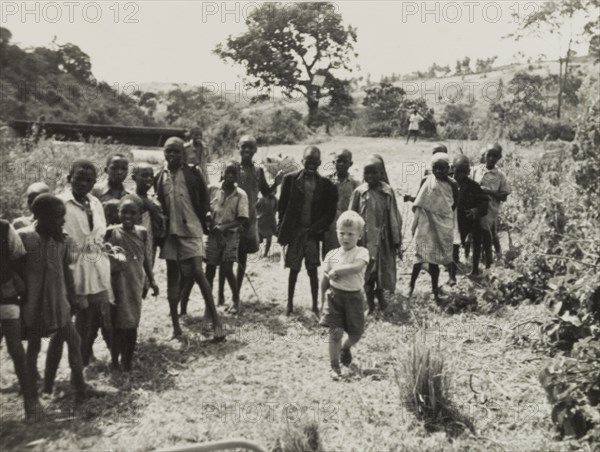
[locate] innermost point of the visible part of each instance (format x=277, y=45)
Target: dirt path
x=270, y=376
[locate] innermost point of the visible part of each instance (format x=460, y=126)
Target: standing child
x=343, y=280
x=116, y=169
x=471, y=206
x=183, y=193
x=85, y=224
x=306, y=209
x=413, y=125
x=267, y=222
x=228, y=213
x=152, y=214
x=375, y=201
x=433, y=223
x=128, y=277
x=494, y=184
x=51, y=298
x=12, y=250
x=35, y=189
x=345, y=185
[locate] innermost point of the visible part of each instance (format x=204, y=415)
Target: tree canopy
x=287, y=46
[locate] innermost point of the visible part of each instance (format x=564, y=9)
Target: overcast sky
x=172, y=41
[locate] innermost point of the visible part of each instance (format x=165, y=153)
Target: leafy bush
x=533, y=127
x=457, y=123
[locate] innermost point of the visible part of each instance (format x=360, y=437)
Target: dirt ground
x=271, y=375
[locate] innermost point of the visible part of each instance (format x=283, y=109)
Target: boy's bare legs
x=173, y=293
x=227, y=269
x=381, y=299
x=413, y=277
x=267, y=247
x=434, y=270
x=476, y=253
x=346, y=355
x=293, y=278
x=314, y=289
x=335, y=348
x=370, y=293
x=193, y=267
x=187, y=284
x=221, y=288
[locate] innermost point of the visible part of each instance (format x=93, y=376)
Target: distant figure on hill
x=413, y=125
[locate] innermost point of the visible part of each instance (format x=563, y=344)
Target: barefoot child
x=345, y=185
x=228, y=213
x=128, y=277
x=51, y=298
x=375, y=201
x=266, y=220
x=343, y=281
x=116, y=169
x=306, y=210
x=433, y=223
x=494, y=184
x=471, y=206
x=183, y=193
x=35, y=189
x=12, y=250
x=85, y=224
x=152, y=214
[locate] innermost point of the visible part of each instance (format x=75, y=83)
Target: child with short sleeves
x=228, y=213
x=128, y=277
x=267, y=223
x=342, y=284
x=85, y=224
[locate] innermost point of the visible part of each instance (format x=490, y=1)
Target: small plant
x=426, y=389
x=300, y=439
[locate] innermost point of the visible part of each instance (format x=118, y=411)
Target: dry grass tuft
x=305, y=438
x=426, y=388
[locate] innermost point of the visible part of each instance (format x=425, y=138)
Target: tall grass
x=303, y=438
x=425, y=383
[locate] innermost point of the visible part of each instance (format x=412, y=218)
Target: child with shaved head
x=375, y=201
x=307, y=208
x=345, y=185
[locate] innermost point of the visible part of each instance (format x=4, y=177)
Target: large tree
x=287, y=46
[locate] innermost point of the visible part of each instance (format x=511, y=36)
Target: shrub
x=533, y=127
x=305, y=438
x=379, y=130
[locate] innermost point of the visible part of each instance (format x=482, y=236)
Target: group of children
x=89, y=251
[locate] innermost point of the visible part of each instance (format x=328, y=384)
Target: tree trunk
x=313, y=112
x=560, y=85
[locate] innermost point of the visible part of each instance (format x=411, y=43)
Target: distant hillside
x=59, y=84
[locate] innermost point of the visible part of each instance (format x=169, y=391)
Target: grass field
x=270, y=380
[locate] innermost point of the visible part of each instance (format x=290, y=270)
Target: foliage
x=304, y=438
x=59, y=84
x=388, y=110
x=554, y=209
x=288, y=45
x=47, y=162
x=457, y=122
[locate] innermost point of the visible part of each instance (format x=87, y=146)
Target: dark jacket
x=323, y=209
x=470, y=196
x=197, y=189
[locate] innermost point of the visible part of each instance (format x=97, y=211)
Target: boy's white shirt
x=339, y=256
x=90, y=264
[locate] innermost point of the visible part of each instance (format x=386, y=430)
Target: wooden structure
x=67, y=131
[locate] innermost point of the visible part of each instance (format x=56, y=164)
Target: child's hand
x=279, y=177
x=154, y=288
x=333, y=275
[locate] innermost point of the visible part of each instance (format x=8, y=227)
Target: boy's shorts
x=302, y=247
x=344, y=310
x=178, y=248
x=249, y=239
x=222, y=250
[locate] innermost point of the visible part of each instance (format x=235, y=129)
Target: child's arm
x=147, y=267
x=347, y=269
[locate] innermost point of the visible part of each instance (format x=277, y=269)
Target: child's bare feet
x=219, y=334
x=315, y=310
x=177, y=332
x=335, y=373
x=290, y=309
